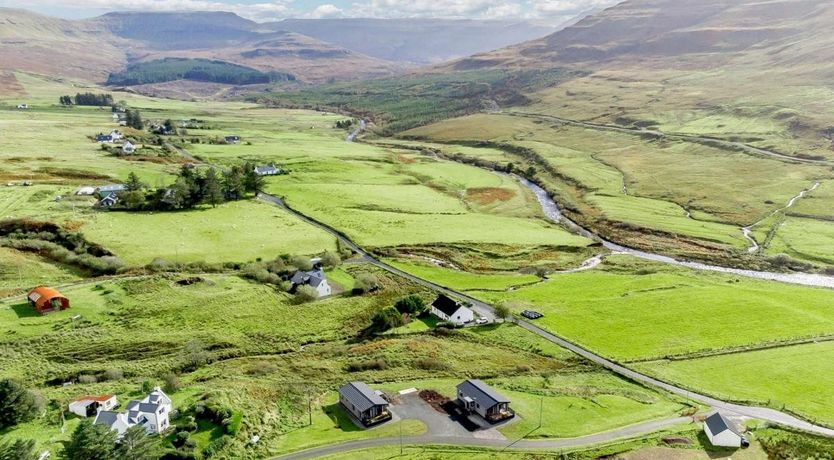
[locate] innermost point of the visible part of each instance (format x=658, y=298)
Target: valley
x=637, y=224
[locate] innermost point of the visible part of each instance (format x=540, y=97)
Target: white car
x=482, y=320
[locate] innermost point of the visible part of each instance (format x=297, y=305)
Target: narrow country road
x=749, y=149
x=608, y=436
x=487, y=310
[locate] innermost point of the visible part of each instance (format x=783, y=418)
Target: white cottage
x=128, y=148
x=315, y=278
x=152, y=413
x=449, y=310
x=722, y=432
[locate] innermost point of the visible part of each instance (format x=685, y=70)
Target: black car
x=530, y=314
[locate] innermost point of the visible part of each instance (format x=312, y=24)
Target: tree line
x=192, y=188
x=172, y=69
x=93, y=99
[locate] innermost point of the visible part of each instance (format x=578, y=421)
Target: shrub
x=430, y=364
x=412, y=304
x=387, y=318
x=302, y=263
x=146, y=387
x=331, y=259
x=503, y=311
x=378, y=364
x=215, y=447
x=86, y=379
x=305, y=293
x=181, y=438
x=113, y=374
x=172, y=383
x=367, y=282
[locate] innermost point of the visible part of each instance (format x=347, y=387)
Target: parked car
x=482, y=320
x=530, y=314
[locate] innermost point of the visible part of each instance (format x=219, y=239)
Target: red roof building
x=45, y=299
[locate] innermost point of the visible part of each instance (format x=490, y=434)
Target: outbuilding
x=475, y=396
x=268, y=170
x=89, y=406
x=365, y=404
x=45, y=299
x=722, y=432
x=448, y=310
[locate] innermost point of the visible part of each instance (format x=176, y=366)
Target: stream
x=553, y=212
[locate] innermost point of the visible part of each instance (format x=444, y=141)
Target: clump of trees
x=398, y=314
x=92, y=99
x=17, y=404
x=192, y=188
x=344, y=124
x=18, y=449
x=133, y=119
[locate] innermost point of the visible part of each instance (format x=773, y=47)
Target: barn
x=722, y=432
x=45, y=299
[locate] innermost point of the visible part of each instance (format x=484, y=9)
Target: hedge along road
x=486, y=310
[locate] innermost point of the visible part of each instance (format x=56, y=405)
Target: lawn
x=661, y=311
x=233, y=232
x=794, y=378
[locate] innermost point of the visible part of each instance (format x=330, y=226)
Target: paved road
x=683, y=137
x=626, y=432
x=487, y=310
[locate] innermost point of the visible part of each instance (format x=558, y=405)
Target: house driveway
x=411, y=406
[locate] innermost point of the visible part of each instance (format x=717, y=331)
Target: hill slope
x=415, y=41
x=50, y=46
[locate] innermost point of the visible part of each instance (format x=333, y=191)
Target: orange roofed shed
x=45, y=299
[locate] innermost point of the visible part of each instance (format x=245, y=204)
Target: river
x=553, y=212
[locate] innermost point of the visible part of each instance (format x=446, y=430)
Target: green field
x=20, y=272
x=661, y=311
x=465, y=281
x=233, y=232
x=630, y=187
x=793, y=378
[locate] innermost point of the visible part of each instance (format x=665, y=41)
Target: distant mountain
x=707, y=31
x=415, y=41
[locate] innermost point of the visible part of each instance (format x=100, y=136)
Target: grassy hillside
x=397, y=104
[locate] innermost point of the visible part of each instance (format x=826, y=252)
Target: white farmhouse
x=151, y=413
x=22, y=106
x=723, y=432
x=87, y=406
x=449, y=310
x=315, y=278
x=128, y=148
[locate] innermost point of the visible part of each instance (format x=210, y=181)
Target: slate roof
x=312, y=277
x=446, y=305
x=268, y=169
x=361, y=396
x=112, y=188
x=717, y=424
x=481, y=393
x=106, y=417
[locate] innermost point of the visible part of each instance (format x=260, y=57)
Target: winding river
x=553, y=212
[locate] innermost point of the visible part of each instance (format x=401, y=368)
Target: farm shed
x=722, y=432
x=88, y=406
x=477, y=397
x=45, y=299
x=448, y=310
x=365, y=404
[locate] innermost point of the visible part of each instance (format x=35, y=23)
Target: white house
x=722, y=432
x=268, y=170
x=86, y=191
x=87, y=406
x=315, y=278
x=115, y=135
x=128, y=148
x=22, y=106
x=151, y=413
x=449, y=310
